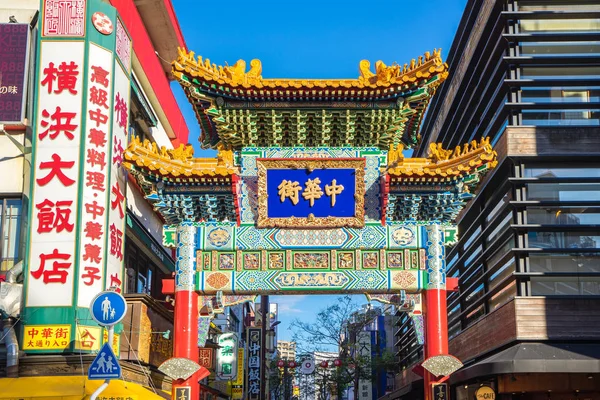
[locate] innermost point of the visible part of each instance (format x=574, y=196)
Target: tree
x=337, y=326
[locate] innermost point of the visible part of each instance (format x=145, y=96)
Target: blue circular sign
x=108, y=308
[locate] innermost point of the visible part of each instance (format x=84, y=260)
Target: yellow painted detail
x=71, y=388
x=446, y=163
x=179, y=162
x=425, y=66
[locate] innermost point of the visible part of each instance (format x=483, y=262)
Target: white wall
x=11, y=164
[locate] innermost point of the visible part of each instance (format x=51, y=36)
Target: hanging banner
x=14, y=53
x=254, y=363
x=227, y=362
x=363, y=342
x=237, y=386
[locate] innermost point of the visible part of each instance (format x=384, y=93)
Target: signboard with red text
x=81, y=112
x=96, y=167
x=55, y=174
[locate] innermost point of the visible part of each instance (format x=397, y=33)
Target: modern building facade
x=526, y=75
x=287, y=350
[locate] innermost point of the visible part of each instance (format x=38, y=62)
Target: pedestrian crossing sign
x=105, y=365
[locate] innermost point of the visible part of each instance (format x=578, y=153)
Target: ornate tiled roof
x=240, y=108
x=177, y=164
x=444, y=164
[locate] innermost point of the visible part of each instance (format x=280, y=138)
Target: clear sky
x=312, y=39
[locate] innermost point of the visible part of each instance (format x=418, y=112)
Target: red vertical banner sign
x=96, y=170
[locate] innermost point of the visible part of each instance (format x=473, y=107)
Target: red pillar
x=436, y=332
x=185, y=337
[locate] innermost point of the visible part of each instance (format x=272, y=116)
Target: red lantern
x=337, y=363
x=281, y=363
x=292, y=364
x=324, y=364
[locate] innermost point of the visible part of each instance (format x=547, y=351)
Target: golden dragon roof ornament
x=235, y=75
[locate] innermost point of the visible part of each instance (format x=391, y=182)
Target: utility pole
x=264, y=312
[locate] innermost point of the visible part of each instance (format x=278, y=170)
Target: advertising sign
x=227, y=362
x=440, y=391
x=254, y=363
x=363, y=342
x=80, y=125
x=205, y=357
x=237, y=386
x=14, y=53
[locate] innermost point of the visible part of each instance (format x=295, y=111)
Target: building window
x=563, y=191
x=563, y=215
x=567, y=240
x=565, y=286
x=553, y=49
x=10, y=226
x=560, y=25
x=143, y=276
x=552, y=171
x=573, y=263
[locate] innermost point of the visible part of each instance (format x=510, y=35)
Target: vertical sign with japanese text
x=254, y=363
x=237, y=386
x=117, y=176
x=363, y=343
x=81, y=110
x=51, y=272
x=227, y=356
x=96, y=167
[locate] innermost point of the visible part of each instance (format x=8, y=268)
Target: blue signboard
x=105, y=365
x=108, y=308
x=321, y=192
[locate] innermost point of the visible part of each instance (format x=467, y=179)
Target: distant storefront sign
x=14, y=53
x=227, y=357
x=485, y=393
x=254, y=363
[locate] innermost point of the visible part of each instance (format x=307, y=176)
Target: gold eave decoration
x=446, y=163
x=236, y=76
x=177, y=163
x=357, y=221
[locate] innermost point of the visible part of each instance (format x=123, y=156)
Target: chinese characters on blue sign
x=321, y=192
x=311, y=192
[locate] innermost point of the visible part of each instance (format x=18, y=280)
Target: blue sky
x=312, y=39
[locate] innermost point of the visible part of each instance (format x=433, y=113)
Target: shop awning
x=72, y=388
x=535, y=358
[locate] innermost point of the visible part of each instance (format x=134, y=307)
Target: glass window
x=560, y=48
x=503, y=296
x=10, y=226
x=578, y=117
x=474, y=315
x=472, y=237
x=573, y=171
x=563, y=191
x=561, y=95
x=564, y=285
x=560, y=25
x=493, y=235
x=563, y=215
x=567, y=240
x=564, y=262
x=506, y=270
x=494, y=211
x=473, y=255
x=560, y=72
x=557, y=5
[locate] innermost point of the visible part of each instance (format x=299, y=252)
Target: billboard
x=14, y=56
